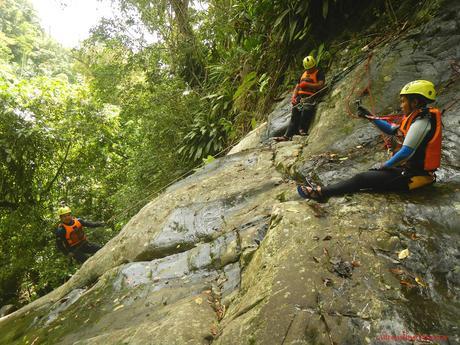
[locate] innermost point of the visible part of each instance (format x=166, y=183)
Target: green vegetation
x=105, y=127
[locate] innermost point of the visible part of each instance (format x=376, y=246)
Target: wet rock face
x=231, y=254
x=188, y=225
x=177, y=265
x=278, y=120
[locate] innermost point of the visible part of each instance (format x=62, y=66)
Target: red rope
x=367, y=89
x=393, y=118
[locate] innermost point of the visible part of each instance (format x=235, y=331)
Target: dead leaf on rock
x=420, y=282
x=403, y=254
x=356, y=263
x=398, y=271
x=328, y=282
x=407, y=284
x=220, y=311
x=214, y=330
x=325, y=251
x=319, y=212
x=119, y=307
x=414, y=236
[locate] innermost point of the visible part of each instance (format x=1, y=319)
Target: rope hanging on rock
x=367, y=90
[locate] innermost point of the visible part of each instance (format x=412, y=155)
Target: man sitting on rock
x=303, y=99
x=70, y=237
x=413, y=163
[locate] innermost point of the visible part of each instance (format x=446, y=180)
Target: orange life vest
x=74, y=234
x=305, y=81
x=428, y=155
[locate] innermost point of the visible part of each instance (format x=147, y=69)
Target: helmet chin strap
x=416, y=105
x=419, y=107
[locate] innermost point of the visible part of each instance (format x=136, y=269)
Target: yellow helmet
x=423, y=88
x=309, y=62
x=63, y=210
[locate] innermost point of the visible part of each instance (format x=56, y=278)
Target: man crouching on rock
x=310, y=84
x=70, y=237
x=415, y=160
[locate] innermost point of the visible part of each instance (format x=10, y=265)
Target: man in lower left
x=70, y=237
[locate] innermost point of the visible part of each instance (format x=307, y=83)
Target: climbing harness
x=304, y=104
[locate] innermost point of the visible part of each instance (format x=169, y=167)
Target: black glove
x=363, y=112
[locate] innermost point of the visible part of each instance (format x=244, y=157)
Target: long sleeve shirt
x=415, y=136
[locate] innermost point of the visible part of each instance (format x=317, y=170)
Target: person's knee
x=363, y=180
x=93, y=248
x=295, y=112
x=96, y=246
x=363, y=176
x=81, y=260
